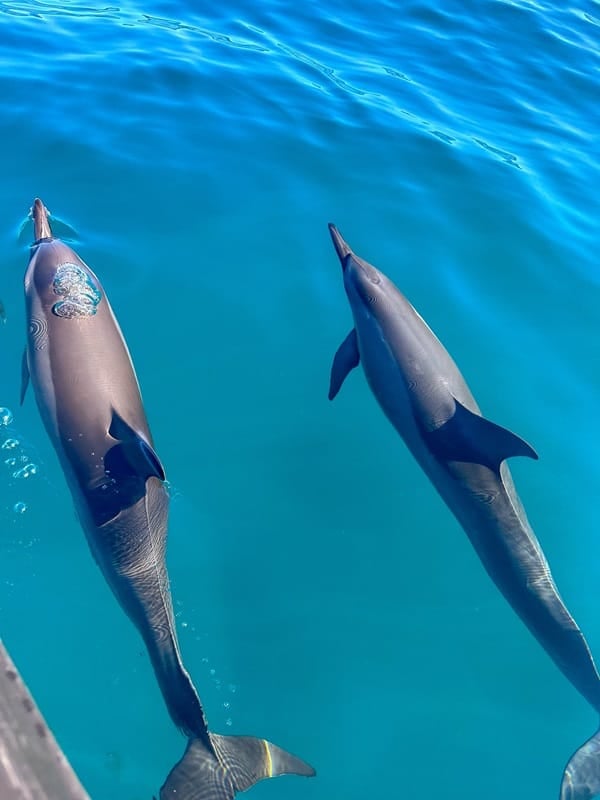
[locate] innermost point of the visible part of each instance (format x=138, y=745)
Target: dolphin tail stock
x=581, y=778
x=236, y=764
x=41, y=225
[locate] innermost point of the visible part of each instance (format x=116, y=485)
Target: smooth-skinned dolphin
x=89, y=399
x=423, y=394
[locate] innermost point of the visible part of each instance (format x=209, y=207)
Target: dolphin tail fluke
x=41, y=226
x=237, y=763
x=581, y=778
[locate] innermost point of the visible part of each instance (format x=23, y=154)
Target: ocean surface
x=326, y=599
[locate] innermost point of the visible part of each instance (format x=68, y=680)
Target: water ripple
x=472, y=77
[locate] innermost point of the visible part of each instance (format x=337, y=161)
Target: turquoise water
x=325, y=597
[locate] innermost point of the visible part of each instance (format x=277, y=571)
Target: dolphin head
x=368, y=289
x=62, y=282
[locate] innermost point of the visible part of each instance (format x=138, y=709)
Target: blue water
x=325, y=597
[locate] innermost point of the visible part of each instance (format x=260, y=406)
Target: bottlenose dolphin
x=425, y=397
x=89, y=399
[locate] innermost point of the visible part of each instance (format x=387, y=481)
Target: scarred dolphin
x=89, y=399
x=422, y=392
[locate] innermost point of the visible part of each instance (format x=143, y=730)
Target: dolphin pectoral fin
x=241, y=762
x=133, y=453
x=471, y=438
x=345, y=360
x=24, y=376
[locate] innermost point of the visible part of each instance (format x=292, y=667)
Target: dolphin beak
x=341, y=248
x=41, y=226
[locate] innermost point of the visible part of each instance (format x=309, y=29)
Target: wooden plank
x=32, y=765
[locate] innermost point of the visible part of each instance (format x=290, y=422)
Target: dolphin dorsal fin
x=133, y=451
x=469, y=437
x=345, y=360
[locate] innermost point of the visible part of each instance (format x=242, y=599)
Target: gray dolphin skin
x=89, y=400
x=422, y=392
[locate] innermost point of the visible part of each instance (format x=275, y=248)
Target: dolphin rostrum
x=425, y=397
x=89, y=399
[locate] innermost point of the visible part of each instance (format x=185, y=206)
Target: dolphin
x=89, y=399
x=423, y=394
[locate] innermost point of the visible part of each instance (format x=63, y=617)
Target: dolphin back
x=236, y=764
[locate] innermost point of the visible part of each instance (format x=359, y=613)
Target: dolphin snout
x=341, y=247
x=41, y=226
x=352, y=265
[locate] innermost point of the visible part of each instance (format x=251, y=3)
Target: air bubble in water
x=20, y=508
x=6, y=416
x=10, y=462
x=228, y=722
x=25, y=472
x=10, y=444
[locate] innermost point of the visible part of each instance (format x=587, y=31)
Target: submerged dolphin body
x=90, y=403
x=425, y=397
